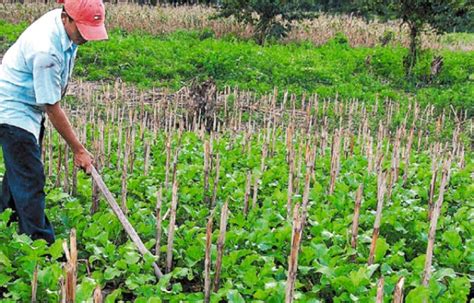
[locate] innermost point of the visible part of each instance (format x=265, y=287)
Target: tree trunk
x=411, y=58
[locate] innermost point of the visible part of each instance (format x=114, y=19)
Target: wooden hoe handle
x=122, y=218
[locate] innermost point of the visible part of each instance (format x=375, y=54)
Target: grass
x=174, y=60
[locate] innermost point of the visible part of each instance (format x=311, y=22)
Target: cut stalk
x=168, y=159
x=247, y=192
x=216, y=181
x=434, y=221
x=380, y=284
x=58, y=168
x=62, y=287
x=95, y=197
x=434, y=176
x=66, y=169
x=98, y=298
x=407, y=154
x=207, y=165
x=255, y=191
x=291, y=173
x=171, y=228
x=73, y=253
x=335, y=160
x=146, y=161
x=124, y=178
x=207, y=260
x=220, y=245
x=355, y=220
x=74, y=181
x=34, y=284
x=309, y=172
x=293, y=258
x=70, y=285
x=381, y=188
x=159, y=201
x=398, y=293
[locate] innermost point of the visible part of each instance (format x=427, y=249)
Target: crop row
x=383, y=191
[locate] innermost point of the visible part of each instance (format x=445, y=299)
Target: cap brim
x=91, y=33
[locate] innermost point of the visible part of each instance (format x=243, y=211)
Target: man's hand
x=84, y=159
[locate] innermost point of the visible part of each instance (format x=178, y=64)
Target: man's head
x=84, y=20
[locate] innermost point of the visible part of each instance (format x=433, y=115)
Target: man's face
x=72, y=30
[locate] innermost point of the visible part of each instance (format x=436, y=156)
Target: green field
x=333, y=136
x=175, y=60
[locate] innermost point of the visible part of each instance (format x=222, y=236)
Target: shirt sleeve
x=46, y=78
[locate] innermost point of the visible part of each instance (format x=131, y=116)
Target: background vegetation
x=335, y=68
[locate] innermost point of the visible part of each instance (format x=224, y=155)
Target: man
x=33, y=77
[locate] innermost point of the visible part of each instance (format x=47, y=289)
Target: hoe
x=123, y=219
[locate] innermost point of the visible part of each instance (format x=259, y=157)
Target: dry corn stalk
x=95, y=197
x=70, y=268
x=335, y=159
x=380, y=284
x=407, y=153
x=125, y=175
x=220, y=244
x=381, y=189
x=309, y=172
x=291, y=175
x=146, y=161
x=168, y=158
x=159, y=201
x=98, y=298
x=293, y=257
x=247, y=192
x=398, y=292
x=434, y=220
x=255, y=190
x=59, y=165
x=171, y=229
x=66, y=169
x=355, y=220
x=207, y=167
x=207, y=260
x=62, y=287
x=216, y=181
x=393, y=175
x=34, y=284
x=434, y=176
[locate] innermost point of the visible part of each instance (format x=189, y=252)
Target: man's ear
x=64, y=17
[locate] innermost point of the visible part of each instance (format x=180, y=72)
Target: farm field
x=350, y=65
x=328, y=150
x=255, y=173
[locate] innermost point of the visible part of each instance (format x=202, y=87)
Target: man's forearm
x=60, y=121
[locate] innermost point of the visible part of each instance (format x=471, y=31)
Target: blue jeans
x=23, y=182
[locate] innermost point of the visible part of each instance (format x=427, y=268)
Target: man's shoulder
x=43, y=36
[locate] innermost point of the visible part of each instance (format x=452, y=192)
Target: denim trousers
x=23, y=182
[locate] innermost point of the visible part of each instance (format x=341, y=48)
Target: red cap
x=89, y=16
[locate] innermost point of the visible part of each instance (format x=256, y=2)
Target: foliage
x=175, y=60
x=440, y=15
x=272, y=18
x=9, y=33
x=257, y=246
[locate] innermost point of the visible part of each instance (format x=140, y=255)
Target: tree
x=271, y=18
x=441, y=15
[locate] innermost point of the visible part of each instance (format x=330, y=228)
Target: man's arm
x=82, y=157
